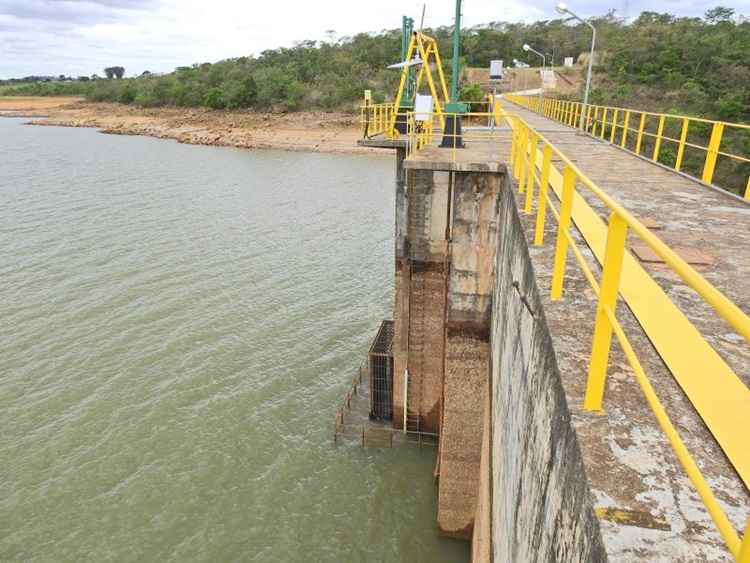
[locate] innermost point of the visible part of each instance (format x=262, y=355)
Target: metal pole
x=406, y=392
x=588, y=75
x=456, y=53
x=528, y=47
x=563, y=9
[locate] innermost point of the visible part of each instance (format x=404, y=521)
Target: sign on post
x=548, y=78
x=422, y=108
x=496, y=70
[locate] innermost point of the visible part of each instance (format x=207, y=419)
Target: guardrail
x=533, y=161
x=376, y=119
x=700, y=148
x=477, y=126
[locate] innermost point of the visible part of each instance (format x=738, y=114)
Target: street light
x=527, y=48
x=562, y=9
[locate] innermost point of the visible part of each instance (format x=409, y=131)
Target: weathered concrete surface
x=445, y=248
x=481, y=539
x=542, y=507
x=470, y=282
x=421, y=258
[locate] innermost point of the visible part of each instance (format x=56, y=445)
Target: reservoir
x=179, y=325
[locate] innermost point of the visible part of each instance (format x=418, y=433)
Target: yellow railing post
x=523, y=158
x=744, y=554
x=625, y=126
x=639, y=139
x=516, y=152
x=561, y=247
x=614, y=127
x=589, y=120
x=541, y=206
x=594, y=122
x=610, y=287
x=712, y=153
x=657, y=144
x=604, y=123
x=683, y=140
x=530, y=179
x=747, y=189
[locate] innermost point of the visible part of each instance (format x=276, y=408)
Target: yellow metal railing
x=691, y=145
x=477, y=127
x=377, y=119
x=533, y=161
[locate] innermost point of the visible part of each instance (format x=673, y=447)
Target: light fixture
x=526, y=47
x=562, y=8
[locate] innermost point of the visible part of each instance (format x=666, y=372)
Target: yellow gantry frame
x=427, y=49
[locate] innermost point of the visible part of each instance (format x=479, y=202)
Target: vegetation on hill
x=658, y=61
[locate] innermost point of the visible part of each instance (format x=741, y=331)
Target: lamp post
x=527, y=48
x=562, y=9
x=407, y=27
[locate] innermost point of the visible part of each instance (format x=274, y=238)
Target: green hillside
x=658, y=61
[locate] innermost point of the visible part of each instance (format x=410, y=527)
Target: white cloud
x=81, y=36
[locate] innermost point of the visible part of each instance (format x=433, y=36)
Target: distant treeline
x=658, y=61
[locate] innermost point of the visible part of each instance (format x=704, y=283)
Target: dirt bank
x=301, y=131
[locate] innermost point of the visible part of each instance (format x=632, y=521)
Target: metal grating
x=381, y=373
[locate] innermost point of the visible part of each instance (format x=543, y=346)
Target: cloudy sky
x=80, y=37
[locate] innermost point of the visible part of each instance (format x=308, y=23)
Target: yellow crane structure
x=423, y=50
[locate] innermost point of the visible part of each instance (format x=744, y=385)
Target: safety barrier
x=691, y=145
x=377, y=119
x=477, y=126
x=533, y=162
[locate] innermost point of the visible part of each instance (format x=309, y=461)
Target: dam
x=566, y=331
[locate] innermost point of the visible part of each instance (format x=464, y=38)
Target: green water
x=178, y=327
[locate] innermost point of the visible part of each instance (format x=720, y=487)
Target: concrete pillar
x=445, y=255
x=467, y=347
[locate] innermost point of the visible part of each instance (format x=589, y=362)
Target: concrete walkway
x=642, y=496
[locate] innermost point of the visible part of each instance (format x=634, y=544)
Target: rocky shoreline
x=335, y=132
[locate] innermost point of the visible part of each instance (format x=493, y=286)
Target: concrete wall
x=419, y=312
x=481, y=539
x=541, y=502
x=471, y=277
x=446, y=225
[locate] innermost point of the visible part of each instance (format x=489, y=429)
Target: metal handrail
x=376, y=119
x=618, y=126
x=527, y=146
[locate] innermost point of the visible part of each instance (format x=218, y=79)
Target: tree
x=240, y=93
x=114, y=72
x=719, y=14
